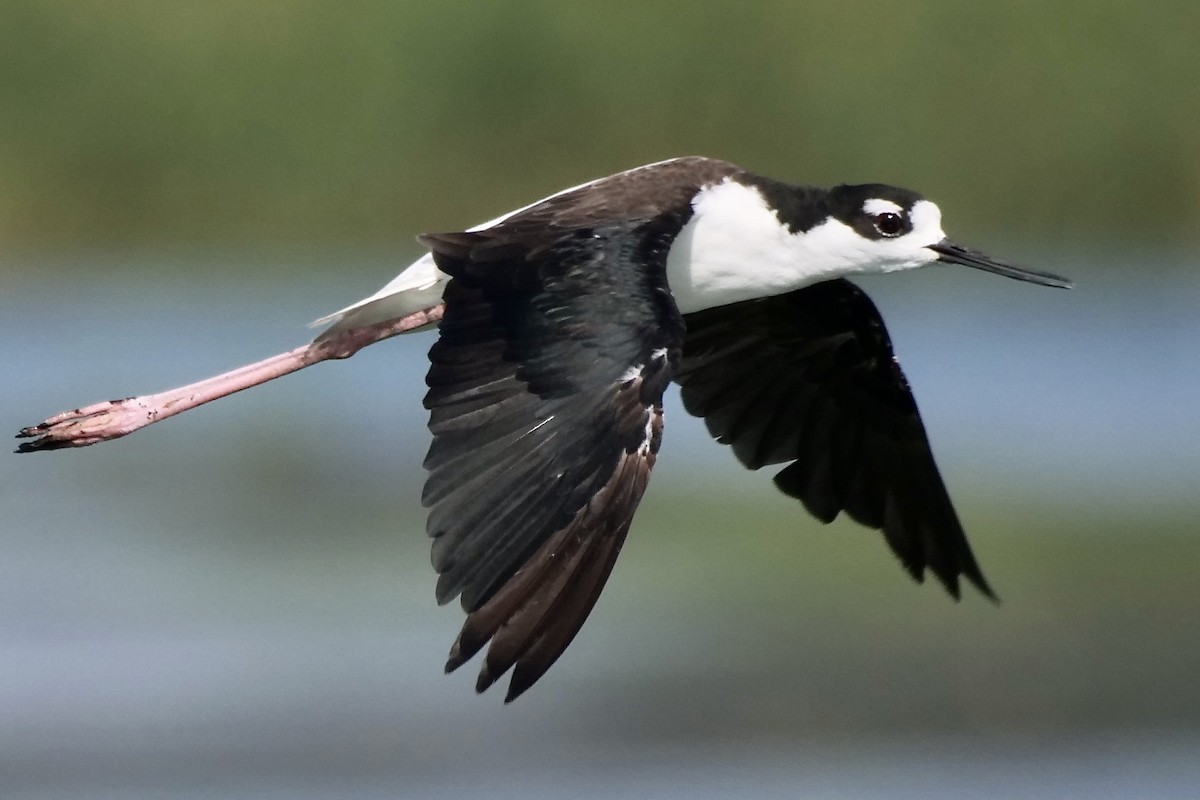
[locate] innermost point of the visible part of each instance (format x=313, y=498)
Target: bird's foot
x=98, y=422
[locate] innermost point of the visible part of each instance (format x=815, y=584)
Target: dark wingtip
x=986, y=590
x=458, y=656
x=485, y=680
x=977, y=580
x=521, y=680
x=952, y=587
x=974, y=574
x=951, y=583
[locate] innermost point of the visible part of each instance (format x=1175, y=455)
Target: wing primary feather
x=809, y=378
x=545, y=400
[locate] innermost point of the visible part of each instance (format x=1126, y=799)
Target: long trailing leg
x=113, y=419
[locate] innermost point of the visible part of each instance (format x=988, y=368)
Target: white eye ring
x=889, y=224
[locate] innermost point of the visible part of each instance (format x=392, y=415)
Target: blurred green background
x=139, y=123
x=239, y=603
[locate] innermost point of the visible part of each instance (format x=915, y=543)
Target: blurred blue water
x=213, y=607
x=1097, y=385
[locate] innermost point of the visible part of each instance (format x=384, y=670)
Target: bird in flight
x=560, y=326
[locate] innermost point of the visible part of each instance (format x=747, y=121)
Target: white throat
x=736, y=248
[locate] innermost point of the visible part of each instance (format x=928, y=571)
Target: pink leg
x=113, y=419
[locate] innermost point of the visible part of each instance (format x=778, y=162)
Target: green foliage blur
x=129, y=123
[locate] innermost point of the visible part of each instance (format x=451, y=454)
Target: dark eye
x=889, y=223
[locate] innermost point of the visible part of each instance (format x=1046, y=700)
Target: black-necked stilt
x=560, y=326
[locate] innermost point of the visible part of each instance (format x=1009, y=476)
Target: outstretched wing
x=809, y=378
x=545, y=399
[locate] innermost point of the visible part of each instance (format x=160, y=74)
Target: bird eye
x=889, y=223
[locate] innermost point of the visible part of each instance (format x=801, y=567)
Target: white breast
x=733, y=248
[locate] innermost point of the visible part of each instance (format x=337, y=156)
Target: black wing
x=809, y=377
x=545, y=393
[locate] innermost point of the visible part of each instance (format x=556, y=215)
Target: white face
x=887, y=238
x=735, y=247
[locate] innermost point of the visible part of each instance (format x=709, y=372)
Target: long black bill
x=951, y=253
